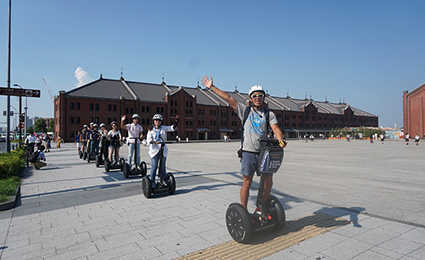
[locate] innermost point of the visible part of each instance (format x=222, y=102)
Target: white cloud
x=82, y=76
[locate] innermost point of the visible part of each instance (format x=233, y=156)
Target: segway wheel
x=122, y=162
x=85, y=156
x=277, y=212
x=97, y=161
x=107, y=165
x=126, y=170
x=171, y=183
x=81, y=154
x=144, y=168
x=239, y=223
x=147, y=187
x=88, y=158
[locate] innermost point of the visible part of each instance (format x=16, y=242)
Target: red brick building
x=414, y=111
x=203, y=115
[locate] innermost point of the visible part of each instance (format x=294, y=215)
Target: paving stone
x=400, y=245
x=116, y=252
x=287, y=254
x=386, y=252
x=416, y=235
x=370, y=255
x=317, y=243
x=376, y=236
x=418, y=254
x=347, y=249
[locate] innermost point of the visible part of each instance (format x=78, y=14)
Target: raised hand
x=208, y=83
x=123, y=117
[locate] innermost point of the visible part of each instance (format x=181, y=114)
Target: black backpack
x=33, y=157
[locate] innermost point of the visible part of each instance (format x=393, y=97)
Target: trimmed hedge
x=10, y=168
x=11, y=163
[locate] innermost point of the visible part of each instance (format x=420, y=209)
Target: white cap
x=158, y=117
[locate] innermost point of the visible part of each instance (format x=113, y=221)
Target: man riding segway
x=135, y=134
x=256, y=119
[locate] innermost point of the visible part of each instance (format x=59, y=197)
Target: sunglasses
x=257, y=96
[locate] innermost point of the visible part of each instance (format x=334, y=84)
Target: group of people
x=92, y=139
x=113, y=140
x=407, y=139
x=36, y=148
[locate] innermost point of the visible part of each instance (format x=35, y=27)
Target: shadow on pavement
x=318, y=219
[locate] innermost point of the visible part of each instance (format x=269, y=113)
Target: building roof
x=149, y=92
x=102, y=88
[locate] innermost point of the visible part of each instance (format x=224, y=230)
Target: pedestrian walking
x=417, y=138
x=407, y=138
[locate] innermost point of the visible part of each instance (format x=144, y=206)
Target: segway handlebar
x=270, y=142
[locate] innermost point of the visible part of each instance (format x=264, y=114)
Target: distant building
x=414, y=111
x=203, y=115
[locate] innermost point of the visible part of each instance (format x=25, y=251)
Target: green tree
x=30, y=130
x=40, y=125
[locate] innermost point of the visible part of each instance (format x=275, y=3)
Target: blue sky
x=363, y=52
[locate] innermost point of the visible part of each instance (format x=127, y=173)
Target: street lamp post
x=20, y=114
x=8, y=79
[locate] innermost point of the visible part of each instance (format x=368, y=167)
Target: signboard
x=22, y=125
x=20, y=92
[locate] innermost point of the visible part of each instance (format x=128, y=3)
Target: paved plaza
x=72, y=210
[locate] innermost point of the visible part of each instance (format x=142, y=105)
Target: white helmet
x=135, y=116
x=158, y=117
x=256, y=88
x=102, y=125
x=94, y=125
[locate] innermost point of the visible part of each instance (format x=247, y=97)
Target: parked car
x=2, y=139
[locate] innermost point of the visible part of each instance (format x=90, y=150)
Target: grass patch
x=8, y=187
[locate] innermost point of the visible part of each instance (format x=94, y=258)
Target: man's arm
x=208, y=83
x=122, y=122
x=279, y=135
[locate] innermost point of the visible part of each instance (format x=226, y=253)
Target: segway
x=103, y=153
x=163, y=186
x=91, y=157
x=126, y=168
x=86, y=150
x=269, y=214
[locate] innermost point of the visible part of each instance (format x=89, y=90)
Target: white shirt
x=154, y=148
x=134, y=131
x=30, y=139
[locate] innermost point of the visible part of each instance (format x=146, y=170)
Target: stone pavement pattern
x=73, y=210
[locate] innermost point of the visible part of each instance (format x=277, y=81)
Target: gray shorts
x=249, y=164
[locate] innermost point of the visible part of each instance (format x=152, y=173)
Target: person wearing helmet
x=135, y=134
x=85, y=136
x=104, y=142
x=157, y=133
x=254, y=118
x=114, y=136
x=94, y=141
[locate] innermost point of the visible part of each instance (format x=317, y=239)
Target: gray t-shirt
x=255, y=128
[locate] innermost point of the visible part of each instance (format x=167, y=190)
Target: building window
x=71, y=120
x=143, y=109
x=175, y=103
x=115, y=108
x=143, y=121
x=71, y=134
x=162, y=109
x=126, y=110
x=91, y=107
x=96, y=120
x=77, y=106
x=157, y=109
x=109, y=120
x=91, y=119
x=77, y=120
x=131, y=110
x=71, y=105
x=96, y=107
x=109, y=107
x=147, y=109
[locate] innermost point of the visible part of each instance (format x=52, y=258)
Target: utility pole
x=8, y=81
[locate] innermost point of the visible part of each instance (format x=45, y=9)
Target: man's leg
x=130, y=154
x=246, y=185
x=268, y=184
